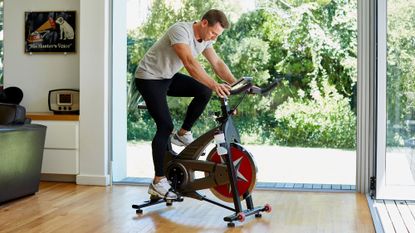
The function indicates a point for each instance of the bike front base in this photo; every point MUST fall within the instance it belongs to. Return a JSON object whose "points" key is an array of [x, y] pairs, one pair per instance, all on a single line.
{"points": [[155, 200], [240, 217]]}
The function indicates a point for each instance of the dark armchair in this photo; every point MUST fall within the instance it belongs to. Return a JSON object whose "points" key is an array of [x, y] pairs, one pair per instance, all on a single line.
{"points": [[21, 153]]}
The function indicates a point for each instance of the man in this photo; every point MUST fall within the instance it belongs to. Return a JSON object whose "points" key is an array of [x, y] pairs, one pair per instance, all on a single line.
{"points": [[157, 77]]}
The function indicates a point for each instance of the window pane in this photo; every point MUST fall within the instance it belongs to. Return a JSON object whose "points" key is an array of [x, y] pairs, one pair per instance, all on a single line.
{"points": [[400, 102], [305, 130]]}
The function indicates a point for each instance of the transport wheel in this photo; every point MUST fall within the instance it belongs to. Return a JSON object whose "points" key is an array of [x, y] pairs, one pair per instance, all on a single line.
{"points": [[267, 208], [241, 216]]}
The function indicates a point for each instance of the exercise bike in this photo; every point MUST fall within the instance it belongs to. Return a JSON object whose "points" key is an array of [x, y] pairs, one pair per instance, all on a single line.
{"points": [[229, 169]]}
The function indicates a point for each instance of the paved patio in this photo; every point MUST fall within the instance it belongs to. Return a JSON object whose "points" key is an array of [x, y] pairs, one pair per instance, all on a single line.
{"points": [[275, 164]]}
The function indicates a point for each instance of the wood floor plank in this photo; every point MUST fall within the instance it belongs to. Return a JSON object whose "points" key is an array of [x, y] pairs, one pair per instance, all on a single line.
{"points": [[65, 207]]}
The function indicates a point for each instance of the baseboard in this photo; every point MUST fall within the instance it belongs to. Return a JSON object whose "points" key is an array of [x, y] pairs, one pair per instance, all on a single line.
{"points": [[58, 178], [93, 180]]}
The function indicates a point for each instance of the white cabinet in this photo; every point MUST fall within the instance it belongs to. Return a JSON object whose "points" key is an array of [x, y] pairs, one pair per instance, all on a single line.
{"points": [[61, 154]]}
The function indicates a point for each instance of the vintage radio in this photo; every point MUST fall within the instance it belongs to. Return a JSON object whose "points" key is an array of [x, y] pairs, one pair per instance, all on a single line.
{"points": [[64, 101]]}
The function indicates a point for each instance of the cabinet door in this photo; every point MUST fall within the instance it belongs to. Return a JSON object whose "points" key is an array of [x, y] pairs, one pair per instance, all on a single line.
{"points": [[61, 134], [60, 162]]}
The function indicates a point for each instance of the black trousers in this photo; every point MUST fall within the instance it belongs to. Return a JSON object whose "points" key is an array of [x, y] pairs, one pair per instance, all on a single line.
{"points": [[155, 92]]}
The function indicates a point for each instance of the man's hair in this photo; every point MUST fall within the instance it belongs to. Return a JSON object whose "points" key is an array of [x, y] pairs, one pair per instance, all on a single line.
{"points": [[216, 16]]}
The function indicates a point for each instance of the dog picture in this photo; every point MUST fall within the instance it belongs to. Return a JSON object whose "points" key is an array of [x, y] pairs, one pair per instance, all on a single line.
{"points": [[66, 30], [50, 31]]}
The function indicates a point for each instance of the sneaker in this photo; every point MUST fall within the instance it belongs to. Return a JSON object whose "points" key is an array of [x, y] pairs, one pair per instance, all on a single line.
{"points": [[184, 140], [162, 189]]}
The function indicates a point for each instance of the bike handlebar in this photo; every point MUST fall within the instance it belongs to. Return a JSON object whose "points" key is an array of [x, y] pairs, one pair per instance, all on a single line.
{"points": [[242, 85], [265, 90], [245, 84]]}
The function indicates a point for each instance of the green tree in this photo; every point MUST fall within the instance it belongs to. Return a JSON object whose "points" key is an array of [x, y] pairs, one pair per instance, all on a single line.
{"points": [[400, 71], [141, 39], [311, 43], [301, 45]]}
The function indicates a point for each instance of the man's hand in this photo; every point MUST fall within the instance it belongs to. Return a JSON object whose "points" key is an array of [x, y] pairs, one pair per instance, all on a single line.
{"points": [[221, 89]]}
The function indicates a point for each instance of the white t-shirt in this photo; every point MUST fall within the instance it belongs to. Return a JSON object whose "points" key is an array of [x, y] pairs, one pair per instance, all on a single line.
{"points": [[161, 61]]}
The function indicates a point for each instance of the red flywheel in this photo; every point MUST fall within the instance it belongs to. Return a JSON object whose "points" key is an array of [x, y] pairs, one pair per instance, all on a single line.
{"points": [[245, 169]]}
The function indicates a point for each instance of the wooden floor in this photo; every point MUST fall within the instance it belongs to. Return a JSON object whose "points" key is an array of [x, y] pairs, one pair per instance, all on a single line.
{"points": [[64, 207], [396, 216]]}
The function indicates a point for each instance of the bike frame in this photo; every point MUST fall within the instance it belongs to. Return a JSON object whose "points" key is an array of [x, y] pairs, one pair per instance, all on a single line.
{"points": [[182, 166]]}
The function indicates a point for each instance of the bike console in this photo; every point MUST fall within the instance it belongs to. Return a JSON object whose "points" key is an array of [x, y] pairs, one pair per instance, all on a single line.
{"points": [[241, 85], [245, 84]]}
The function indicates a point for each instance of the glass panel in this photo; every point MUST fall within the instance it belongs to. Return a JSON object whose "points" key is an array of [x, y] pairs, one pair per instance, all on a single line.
{"points": [[304, 132], [400, 93]]}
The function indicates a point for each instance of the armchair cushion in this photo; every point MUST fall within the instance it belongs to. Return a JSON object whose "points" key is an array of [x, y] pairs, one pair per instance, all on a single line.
{"points": [[21, 153], [11, 114], [11, 95]]}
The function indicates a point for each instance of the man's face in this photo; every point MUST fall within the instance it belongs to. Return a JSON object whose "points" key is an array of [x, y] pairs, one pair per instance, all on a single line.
{"points": [[210, 32]]}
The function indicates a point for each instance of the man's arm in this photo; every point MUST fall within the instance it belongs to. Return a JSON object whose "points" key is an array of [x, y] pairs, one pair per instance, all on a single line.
{"points": [[196, 71], [220, 68]]}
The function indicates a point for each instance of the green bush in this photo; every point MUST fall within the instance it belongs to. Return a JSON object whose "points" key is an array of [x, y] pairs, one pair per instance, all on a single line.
{"points": [[313, 42], [140, 126], [322, 121]]}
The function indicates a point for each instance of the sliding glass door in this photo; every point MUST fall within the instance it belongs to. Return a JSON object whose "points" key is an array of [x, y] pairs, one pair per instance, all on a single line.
{"points": [[300, 133], [396, 100]]}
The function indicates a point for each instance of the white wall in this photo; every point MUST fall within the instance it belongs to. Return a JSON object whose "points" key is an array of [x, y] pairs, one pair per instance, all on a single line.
{"points": [[87, 69], [94, 88], [36, 74]]}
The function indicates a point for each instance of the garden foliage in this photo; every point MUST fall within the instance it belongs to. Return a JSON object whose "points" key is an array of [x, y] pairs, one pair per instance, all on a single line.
{"points": [[311, 44]]}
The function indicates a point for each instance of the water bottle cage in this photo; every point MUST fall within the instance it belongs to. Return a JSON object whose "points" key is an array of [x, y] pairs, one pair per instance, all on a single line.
{"points": [[221, 149], [220, 143]]}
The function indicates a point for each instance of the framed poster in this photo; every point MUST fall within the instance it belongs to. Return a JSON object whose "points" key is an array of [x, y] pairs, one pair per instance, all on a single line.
{"points": [[50, 31]]}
